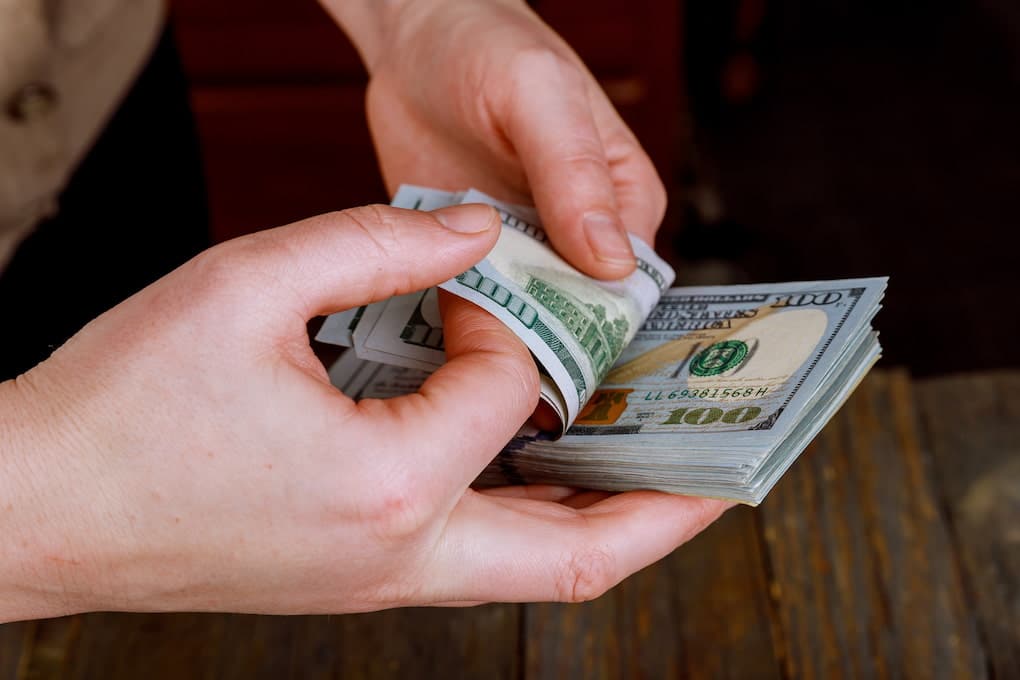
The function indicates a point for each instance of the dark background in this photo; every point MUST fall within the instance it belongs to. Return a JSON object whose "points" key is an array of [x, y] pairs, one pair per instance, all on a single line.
{"points": [[799, 139], [880, 138], [820, 138]]}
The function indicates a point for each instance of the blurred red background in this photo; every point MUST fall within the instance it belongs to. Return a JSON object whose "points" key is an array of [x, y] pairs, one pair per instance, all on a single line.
{"points": [[278, 92]]}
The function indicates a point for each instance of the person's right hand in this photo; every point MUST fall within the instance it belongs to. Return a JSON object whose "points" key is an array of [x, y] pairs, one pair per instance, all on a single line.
{"points": [[484, 94], [185, 451]]}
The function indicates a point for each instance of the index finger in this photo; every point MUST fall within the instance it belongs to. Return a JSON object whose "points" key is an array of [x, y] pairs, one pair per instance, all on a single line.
{"points": [[466, 411], [552, 127]]}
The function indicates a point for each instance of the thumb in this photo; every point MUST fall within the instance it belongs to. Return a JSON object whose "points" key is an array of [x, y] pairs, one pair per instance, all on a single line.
{"points": [[344, 259]]}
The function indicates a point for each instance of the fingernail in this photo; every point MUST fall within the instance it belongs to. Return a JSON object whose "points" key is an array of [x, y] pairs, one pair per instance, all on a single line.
{"points": [[607, 238], [470, 218]]}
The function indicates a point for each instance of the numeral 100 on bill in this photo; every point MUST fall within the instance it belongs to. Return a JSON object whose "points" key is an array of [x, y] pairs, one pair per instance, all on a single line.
{"points": [[709, 415]]}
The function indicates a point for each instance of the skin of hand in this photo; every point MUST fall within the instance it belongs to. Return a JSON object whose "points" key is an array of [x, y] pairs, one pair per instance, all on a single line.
{"points": [[186, 451], [485, 94]]}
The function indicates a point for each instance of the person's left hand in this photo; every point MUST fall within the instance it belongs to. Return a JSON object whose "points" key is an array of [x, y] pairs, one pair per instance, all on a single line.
{"points": [[186, 450], [485, 94]]}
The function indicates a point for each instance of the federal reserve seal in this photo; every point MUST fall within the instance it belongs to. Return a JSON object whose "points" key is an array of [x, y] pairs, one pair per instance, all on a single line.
{"points": [[719, 358]]}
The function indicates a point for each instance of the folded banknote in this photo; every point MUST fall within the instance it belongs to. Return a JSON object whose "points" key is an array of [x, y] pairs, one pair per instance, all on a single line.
{"points": [[709, 391]]}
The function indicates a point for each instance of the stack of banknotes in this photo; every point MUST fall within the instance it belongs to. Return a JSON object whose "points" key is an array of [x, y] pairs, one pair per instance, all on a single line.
{"points": [[708, 391]]}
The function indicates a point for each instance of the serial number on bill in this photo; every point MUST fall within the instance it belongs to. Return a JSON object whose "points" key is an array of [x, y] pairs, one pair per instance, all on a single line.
{"points": [[707, 393]]}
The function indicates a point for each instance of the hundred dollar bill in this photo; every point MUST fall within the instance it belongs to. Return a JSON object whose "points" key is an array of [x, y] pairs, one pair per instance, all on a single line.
{"points": [[717, 394], [574, 325], [720, 392], [338, 329]]}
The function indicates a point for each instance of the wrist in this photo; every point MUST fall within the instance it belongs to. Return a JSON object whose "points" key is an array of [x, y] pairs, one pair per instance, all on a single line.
{"points": [[373, 25], [43, 570], [366, 23]]}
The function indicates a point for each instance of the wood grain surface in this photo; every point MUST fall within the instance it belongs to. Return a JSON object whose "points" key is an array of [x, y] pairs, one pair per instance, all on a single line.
{"points": [[973, 426]]}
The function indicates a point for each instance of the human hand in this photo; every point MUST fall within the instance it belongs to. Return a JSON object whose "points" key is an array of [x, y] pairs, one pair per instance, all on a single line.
{"points": [[485, 94], [186, 451]]}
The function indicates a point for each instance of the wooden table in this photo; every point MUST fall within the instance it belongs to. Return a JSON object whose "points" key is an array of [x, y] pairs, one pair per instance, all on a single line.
{"points": [[890, 549]]}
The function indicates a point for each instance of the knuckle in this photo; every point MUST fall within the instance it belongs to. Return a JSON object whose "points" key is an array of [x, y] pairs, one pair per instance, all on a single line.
{"points": [[398, 511], [217, 273], [524, 372], [523, 398], [372, 230], [587, 156], [536, 60], [586, 575], [510, 361], [374, 242], [239, 273], [645, 182], [235, 260], [540, 68], [658, 198], [526, 375], [213, 267]]}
